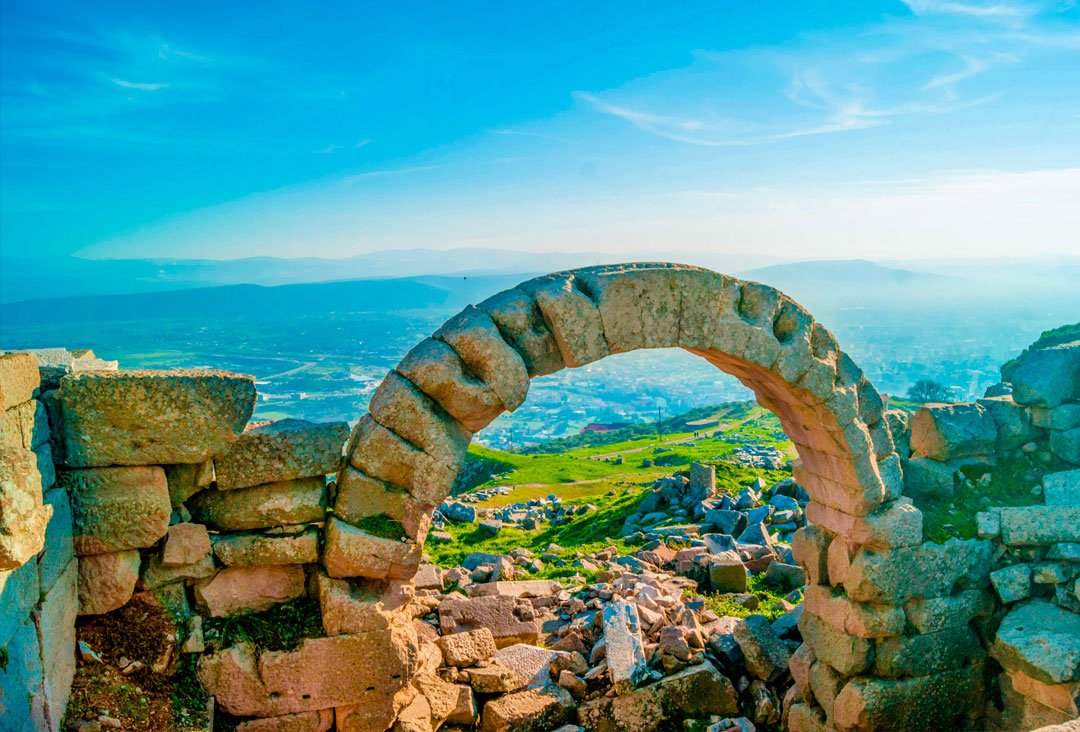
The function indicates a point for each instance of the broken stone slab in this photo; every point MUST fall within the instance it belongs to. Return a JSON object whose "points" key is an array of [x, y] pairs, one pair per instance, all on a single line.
{"points": [[623, 646], [1040, 639], [489, 678], [118, 508], [274, 504], [1012, 583], [359, 606], [249, 549], [238, 590], [765, 652], [697, 691], [467, 648], [531, 663], [23, 513], [185, 543], [947, 431], [144, 417], [514, 588], [106, 581], [1040, 525], [531, 710], [369, 669], [283, 450], [510, 620]]}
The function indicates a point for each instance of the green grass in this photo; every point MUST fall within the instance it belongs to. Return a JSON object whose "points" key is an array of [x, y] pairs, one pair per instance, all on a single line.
{"points": [[280, 628], [1048, 339], [382, 526], [905, 405], [768, 596]]}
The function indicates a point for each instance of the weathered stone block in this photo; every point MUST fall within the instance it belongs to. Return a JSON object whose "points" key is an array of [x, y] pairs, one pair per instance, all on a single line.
{"points": [[1012, 583], [918, 704], [55, 622], [1062, 697], [926, 477], [406, 411], [887, 576], [531, 710], [436, 369], [894, 524], [765, 652], [1061, 417], [1062, 488], [369, 669], [23, 515], [1066, 444], [810, 546], [625, 650], [1040, 639], [847, 654], [378, 452], [186, 480], [509, 619], [1040, 525], [106, 581], [156, 575], [352, 552], [1045, 377], [21, 683], [118, 508], [238, 590], [319, 721], [933, 614], [19, 379], [360, 496], [59, 547], [359, 606], [244, 550], [467, 648], [522, 324], [185, 544], [727, 573], [274, 504], [476, 339], [854, 618], [922, 655], [19, 592], [825, 684], [152, 417], [282, 450], [947, 431]]}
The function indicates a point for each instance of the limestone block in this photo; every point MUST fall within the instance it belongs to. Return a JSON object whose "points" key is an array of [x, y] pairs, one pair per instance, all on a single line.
{"points": [[1040, 525], [640, 306], [185, 480], [59, 547], [476, 339], [118, 508], [726, 572], [314, 721], [1061, 417], [933, 614], [514, 588], [854, 618], [839, 556], [947, 431], [922, 655], [23, 515], [19, 379], [847, 654], [887, 576], [352, 552], [156, 575], [185, 544], [298, 501], [988, 524], [624, 647], [106, 581], [19, 592], [917, 704], [45, 465], [152, 417], [238, 590], [1022, 712], [531, 710], [22, 691], [248, 549], [1062, 488], [360, 606], [895, 524], [429, 577], [926, 477], [369, 669], [531, 663], [1040, 639], [437, 370], [409, 413], [510, 620], [805, 718], [375, 715], [1012, 421], [809, 546], [378, 452], [467, 648], [360, 496], [825, 684], [1012, 583], [55, 620], [521, 323], [281, 450], [1046, 377], [25, 425], [572, 317], [697, 691], [766, 654], [1066, 445], [465, 712], [1062, 697]]}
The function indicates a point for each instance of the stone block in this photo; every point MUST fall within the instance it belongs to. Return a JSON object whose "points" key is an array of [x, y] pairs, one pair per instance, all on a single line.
{"points": [[1012, 583], [895, 524], [887, 576], [1061, 417], [45, 465], [933, 614], [283, 450], [988, 524], [1066, 445], [119, 508], [531, 663], [1062, 488], [360, 496], [156, 575], [1012, 421], [185, 543], [918, 704], [572, 316], [106, 581], [437, 370], [509, 619], [925, 477], [1040, 639], [624, 647], [185, 480], [19, 379], [352, 552], [19, 592], [522, 324], [697, 691], [22, 690], [854, 618], [847, 654], [946, 431], [405, 410], [429, 577], [274, 504], [1046, 377], [351, 607], [765, 653], [531, 710], [514, 588], [379, 453], [726, 572], [825, 684], [810, 546], [152, 417], [922, 655], [1040, 525], [467, 648], [237, 590], [59, 547], [315, 721], [1064, 698], [369, 669], [476, 339], [55, 622], [23, 515], [248, 549]]}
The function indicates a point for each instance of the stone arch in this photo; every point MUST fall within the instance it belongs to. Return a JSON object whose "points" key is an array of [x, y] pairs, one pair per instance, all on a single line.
{"points": [[404, 454]]}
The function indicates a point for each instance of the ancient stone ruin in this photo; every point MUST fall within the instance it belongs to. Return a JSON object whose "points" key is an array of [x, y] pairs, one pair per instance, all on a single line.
{"points": [[118, 487]]}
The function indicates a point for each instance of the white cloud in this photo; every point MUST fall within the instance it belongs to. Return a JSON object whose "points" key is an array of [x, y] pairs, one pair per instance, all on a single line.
{"points": [[142, 86]]}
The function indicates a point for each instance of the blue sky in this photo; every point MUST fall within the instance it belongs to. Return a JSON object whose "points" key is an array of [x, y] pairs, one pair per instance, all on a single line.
{"points": [[800, 130]]}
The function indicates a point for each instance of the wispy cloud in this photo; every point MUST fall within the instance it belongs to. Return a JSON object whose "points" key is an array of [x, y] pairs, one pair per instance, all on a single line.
{"points": [[140, 85], [332, 148], [356, 177], [529, 133]]}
